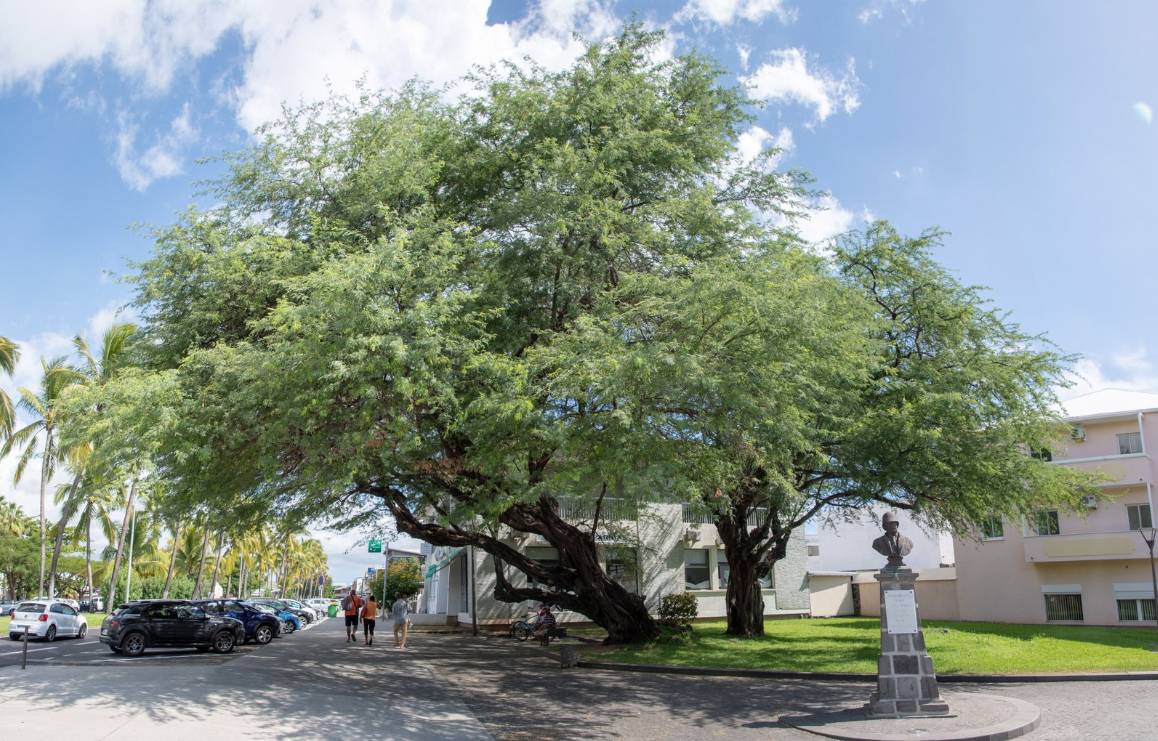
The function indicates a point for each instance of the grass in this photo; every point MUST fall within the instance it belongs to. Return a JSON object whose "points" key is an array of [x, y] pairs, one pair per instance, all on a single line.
{"points": [[852, 645]]}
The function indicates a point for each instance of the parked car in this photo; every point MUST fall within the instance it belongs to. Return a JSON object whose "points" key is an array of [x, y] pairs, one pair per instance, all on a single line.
{"points": [[169, 623], [304, 616], [70, 602], [299, 605], [292, 622], [321, 606], [7, 606], [261, 627], [281, 624], [47, 620]]}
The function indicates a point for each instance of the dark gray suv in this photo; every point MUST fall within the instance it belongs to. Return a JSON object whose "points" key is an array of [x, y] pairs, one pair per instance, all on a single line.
{"points": [[169, 623]]}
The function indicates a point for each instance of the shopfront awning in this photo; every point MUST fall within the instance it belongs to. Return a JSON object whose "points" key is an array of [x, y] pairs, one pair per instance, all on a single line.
{"points": [[440, 563]]}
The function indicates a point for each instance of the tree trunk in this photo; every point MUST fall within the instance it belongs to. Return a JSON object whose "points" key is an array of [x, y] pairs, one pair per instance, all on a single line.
{"points": [[201, 565], [751, 553], [88, 557], [44, 466], [172, 558], [578, 584], [111, 603], [64, 518], [217, 564]]}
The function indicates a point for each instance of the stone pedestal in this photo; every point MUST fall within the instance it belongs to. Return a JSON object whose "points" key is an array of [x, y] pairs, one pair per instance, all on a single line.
{"points": [[906, 683]]}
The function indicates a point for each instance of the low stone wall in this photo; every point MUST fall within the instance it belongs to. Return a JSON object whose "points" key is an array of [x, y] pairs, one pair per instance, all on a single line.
{"points": [[936, 594]]}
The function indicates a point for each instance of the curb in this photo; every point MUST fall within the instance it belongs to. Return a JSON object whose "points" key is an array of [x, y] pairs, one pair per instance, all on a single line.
{"points": [[703, 671], [1026, 718]]}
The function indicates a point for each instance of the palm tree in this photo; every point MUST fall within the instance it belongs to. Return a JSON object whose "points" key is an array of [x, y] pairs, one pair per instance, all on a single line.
{"points": [[12, 519], [95, 502], [43, 407], [9, 354]]}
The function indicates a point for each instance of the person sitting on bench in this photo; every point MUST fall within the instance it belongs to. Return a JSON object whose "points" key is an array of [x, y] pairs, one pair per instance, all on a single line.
{"points": [[544, 625]]}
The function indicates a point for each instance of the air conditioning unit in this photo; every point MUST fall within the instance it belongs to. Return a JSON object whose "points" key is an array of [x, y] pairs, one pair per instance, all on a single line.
{"points": [[692, 535], [1078, 432], [1090, 502]]}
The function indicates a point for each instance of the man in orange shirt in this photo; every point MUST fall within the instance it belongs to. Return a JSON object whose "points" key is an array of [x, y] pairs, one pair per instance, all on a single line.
{"points": [[351, 606]]}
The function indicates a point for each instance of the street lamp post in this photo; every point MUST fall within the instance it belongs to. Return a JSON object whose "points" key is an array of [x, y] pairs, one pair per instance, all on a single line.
{"points": [[1153, 573]]}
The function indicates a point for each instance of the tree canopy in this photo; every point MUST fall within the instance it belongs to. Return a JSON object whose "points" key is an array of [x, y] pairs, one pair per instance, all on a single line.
{"points": [[565, 285]]}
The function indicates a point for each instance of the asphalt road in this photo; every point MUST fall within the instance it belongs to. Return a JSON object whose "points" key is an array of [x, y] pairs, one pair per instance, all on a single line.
{"points": [[89, 650]]}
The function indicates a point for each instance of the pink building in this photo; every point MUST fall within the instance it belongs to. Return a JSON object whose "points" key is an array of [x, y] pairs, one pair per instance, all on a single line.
{"points": [[1057, 567]]}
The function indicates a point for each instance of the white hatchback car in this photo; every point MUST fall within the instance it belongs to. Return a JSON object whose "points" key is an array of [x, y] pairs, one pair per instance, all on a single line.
{"points": [[47, 620]]}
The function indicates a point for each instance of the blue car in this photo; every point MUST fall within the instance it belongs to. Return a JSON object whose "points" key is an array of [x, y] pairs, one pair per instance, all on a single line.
{"points": [[260, 627], [292, 622]]}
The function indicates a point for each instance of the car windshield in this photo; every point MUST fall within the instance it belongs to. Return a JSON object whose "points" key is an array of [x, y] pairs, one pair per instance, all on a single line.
{"points": [[30, 607]]}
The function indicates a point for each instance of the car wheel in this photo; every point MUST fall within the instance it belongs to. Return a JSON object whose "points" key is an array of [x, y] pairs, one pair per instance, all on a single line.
{"points": [[133, 645], [14, 636], [50, 636], [290, 627], [262, 634], [223, 642], [82, 632]]}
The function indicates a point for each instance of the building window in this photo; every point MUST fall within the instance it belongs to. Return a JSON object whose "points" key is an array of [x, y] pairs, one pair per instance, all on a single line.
{"points": [[1136, 609], [1063, 607], [1130, 443], [696, 572], [813, 549], [1045, 523], [618, 572], [992, 528], [1139, 516], [724, 570]]}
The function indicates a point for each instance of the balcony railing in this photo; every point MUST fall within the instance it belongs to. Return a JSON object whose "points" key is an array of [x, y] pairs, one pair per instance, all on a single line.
{"points": [[699, 517]]}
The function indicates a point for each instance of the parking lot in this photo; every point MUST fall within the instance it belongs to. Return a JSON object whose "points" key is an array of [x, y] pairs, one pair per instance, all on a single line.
{"points": [[89, 650]]}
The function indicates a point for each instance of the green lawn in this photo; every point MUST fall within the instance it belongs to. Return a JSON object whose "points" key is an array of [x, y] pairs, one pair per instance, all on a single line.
{"points": [[852, 645]]}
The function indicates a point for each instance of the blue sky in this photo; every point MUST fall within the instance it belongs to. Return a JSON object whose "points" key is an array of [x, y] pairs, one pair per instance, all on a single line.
{"points": [[1021, 128]]}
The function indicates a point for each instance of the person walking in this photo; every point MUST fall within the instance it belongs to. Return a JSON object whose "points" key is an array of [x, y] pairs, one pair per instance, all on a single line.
{"points": [[401, 614], [369, 617], [351, 606]]}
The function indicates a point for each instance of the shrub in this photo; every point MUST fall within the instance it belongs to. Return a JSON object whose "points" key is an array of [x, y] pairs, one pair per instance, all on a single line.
{"points": [[677, 611]]}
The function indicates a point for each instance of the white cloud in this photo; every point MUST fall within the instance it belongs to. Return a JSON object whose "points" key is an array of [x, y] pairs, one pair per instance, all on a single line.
{"points": [[744, 51], [897, 174], [294, 49], [163, 159], [787, 78], [755, 141], [1130, 370], [876, 9], [725, 12], [826, 219]]}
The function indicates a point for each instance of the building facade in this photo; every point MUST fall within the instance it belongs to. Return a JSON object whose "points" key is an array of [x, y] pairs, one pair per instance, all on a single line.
{"points": [[678, 552], [1059, 567]]}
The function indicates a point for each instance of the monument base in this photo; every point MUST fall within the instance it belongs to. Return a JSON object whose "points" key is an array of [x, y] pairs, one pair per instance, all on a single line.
{"points": [[906, 682]]}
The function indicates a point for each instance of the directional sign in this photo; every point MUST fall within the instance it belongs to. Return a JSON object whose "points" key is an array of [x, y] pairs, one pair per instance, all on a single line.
{"points": [[375, 546]]}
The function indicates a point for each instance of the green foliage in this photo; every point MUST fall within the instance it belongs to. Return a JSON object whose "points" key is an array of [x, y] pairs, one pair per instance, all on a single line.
{"points": [[136, 589], [153, 587], [679, 610], [403, 575], [19, 564]]}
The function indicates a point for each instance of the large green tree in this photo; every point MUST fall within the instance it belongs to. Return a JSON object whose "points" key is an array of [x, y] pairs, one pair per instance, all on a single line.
{"points": [[367, 323], [871, 376]]}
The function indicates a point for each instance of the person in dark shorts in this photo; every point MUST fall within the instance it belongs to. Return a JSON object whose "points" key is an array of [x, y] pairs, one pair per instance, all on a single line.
{"points": [[369, 616], [351, 606]]}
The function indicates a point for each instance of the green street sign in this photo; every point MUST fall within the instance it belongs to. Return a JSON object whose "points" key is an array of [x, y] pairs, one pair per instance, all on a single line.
{"points": [[375, 546]]}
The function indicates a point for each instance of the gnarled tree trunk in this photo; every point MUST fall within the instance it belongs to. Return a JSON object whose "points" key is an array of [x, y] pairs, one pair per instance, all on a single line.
{"points": [[578, 583], [751, 553]]}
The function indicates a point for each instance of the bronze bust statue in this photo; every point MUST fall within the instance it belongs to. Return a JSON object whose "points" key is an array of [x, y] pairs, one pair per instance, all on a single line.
{"points": [[892, 543]]}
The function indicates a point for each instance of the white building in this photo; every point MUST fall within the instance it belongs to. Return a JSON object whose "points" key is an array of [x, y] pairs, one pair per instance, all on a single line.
{"points": [[679, 553]]}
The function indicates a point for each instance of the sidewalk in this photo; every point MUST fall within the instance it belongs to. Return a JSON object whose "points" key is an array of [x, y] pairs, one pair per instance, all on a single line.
{"points": [[307, 686]]}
